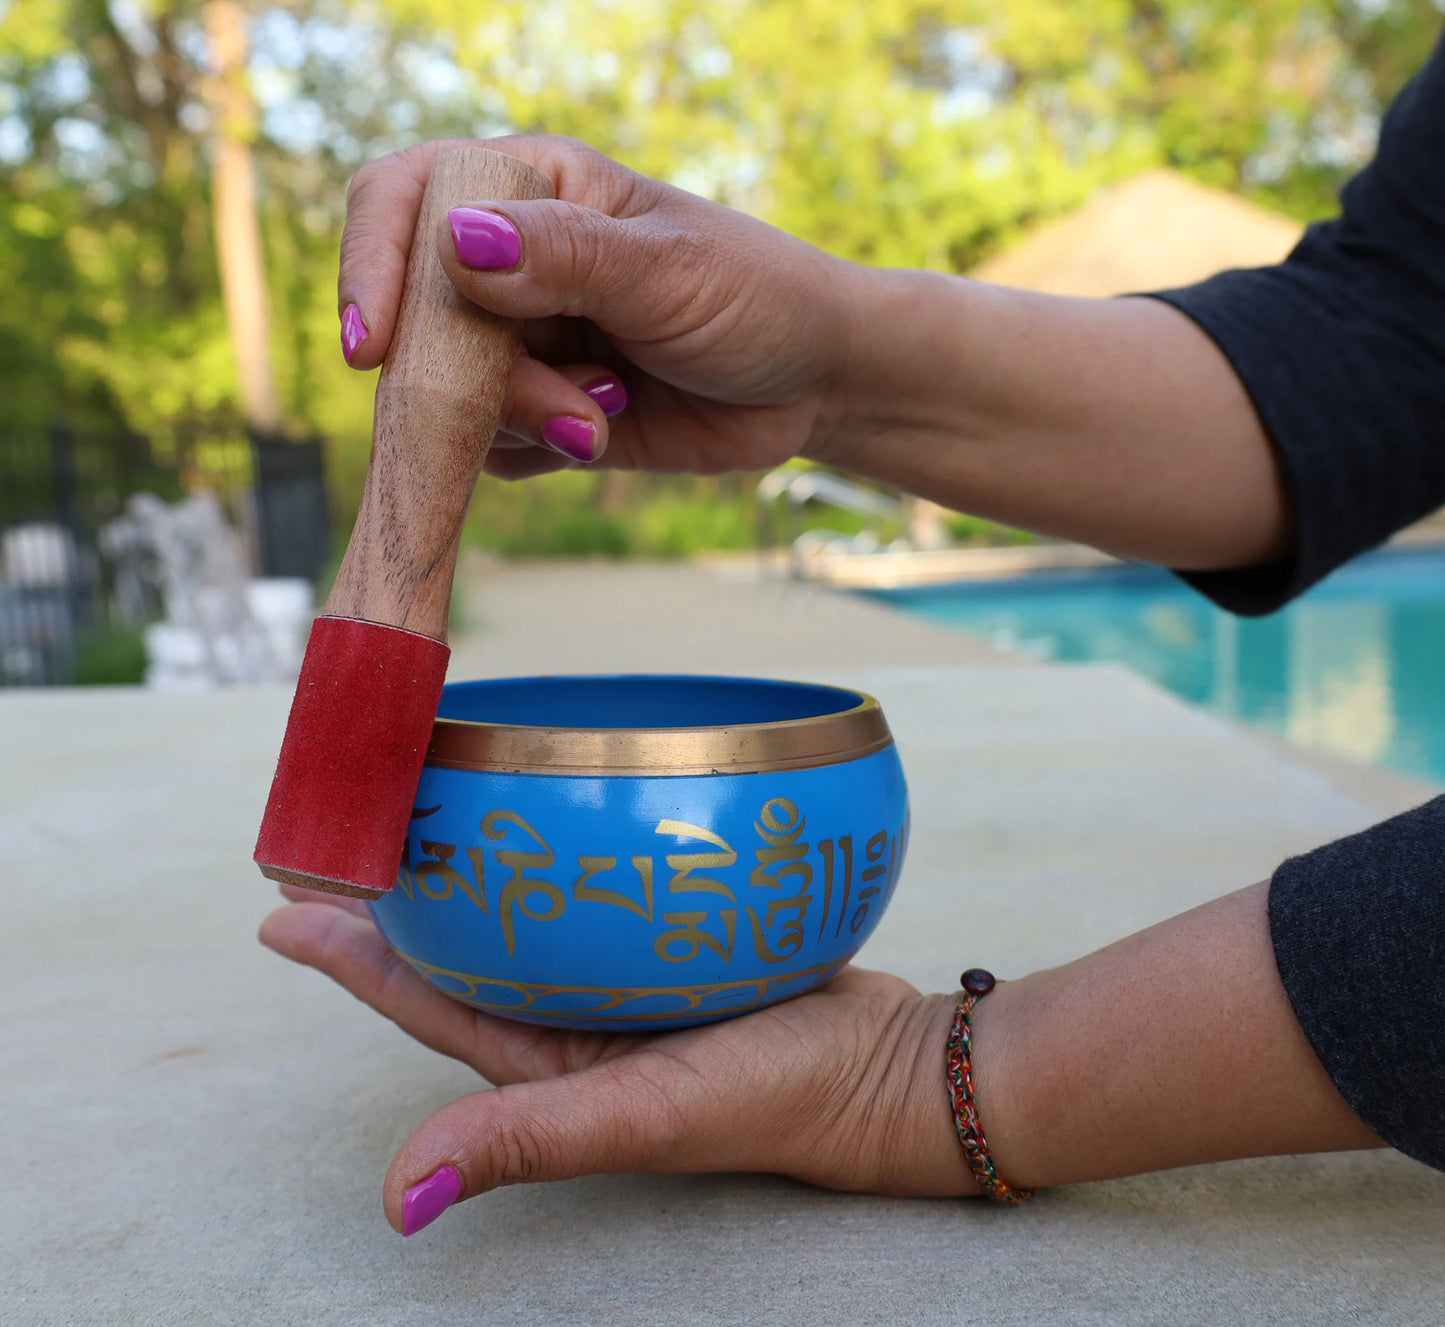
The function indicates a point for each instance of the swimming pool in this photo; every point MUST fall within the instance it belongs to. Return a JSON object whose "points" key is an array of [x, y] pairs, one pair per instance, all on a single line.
{"points": [[1356, 666]]}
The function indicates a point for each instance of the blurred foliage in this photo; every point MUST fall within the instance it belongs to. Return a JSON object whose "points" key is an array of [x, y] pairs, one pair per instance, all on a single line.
{"points": [[576, 513], [976, 530], [919, 132], [109, 656]]}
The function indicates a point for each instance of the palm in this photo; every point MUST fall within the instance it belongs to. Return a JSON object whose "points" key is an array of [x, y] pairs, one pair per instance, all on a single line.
{"points": [[776, 1090]]}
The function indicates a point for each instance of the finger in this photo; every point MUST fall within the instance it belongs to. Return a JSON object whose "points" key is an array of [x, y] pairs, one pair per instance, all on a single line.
{"points": [[580, 173], [565, 409], [562, 340], [382, 206], [351, 951], [384, 201], [645, 1112], [522, 461], [297, 894], [637, 279]]}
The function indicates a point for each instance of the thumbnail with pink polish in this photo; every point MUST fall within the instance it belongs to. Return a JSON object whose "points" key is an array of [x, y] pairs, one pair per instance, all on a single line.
{"points": [[486, 241], [610, 394], [353, 331], [573, 437], [426, 1201]]}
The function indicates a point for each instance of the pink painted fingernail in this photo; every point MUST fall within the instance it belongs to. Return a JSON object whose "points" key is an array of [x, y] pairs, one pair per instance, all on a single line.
{"points": [[610, 394], [486, 241], [426, 1201], [353, 331], [574, 438]]}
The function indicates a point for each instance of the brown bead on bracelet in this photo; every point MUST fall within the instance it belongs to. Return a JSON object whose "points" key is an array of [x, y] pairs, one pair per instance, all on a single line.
{"points": [[958, 1066]]}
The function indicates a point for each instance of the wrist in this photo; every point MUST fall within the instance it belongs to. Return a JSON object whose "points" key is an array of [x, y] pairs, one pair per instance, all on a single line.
{"points": [[852, 404], [1111, 1064], [848, 296], [1000, 1048], [898, 386], [929, 1161]]}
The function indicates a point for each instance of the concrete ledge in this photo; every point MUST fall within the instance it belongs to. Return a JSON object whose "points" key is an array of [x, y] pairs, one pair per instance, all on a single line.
{"points": [[889, 570], [579, 617], [196, 1132]]}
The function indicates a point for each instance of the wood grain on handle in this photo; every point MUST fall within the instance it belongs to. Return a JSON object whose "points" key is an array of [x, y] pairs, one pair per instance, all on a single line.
{"points": [[437, 405]]}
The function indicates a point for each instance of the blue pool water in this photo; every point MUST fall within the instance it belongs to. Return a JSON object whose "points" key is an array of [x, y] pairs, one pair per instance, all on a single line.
{"points": [[1356, 666]]}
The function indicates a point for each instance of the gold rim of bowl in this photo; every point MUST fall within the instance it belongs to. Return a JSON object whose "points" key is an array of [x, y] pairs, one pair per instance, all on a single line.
{"points": [[750, 748]]}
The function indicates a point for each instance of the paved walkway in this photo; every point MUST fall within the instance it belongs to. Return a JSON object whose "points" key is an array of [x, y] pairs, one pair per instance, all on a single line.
{"points": [[561, 617], [195, 1131], [572, 617]]}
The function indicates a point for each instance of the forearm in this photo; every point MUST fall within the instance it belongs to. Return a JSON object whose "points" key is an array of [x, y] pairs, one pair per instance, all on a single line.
{"points": [[1114, 422], [1173, 1047]]}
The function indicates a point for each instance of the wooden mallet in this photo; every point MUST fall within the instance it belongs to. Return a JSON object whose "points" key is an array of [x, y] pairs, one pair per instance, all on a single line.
{"points": [[372, 678]]}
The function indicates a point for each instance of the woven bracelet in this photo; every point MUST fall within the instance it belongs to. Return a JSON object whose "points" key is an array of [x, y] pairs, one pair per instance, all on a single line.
{"points": [[958, 1065]]}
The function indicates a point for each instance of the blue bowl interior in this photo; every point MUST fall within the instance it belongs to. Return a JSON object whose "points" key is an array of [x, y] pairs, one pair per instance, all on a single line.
{"points": [[640, 701]]}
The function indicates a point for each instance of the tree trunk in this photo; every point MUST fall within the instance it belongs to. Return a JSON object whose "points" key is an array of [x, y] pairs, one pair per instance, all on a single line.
{"points": [[233, 210]]}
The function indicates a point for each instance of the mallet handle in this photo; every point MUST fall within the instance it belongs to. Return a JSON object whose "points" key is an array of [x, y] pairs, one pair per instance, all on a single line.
{"points": [[437, 405]]}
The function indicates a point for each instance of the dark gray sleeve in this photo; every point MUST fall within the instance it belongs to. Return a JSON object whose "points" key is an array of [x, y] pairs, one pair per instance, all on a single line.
{"points": [[1359, 936], [1342, 350]]}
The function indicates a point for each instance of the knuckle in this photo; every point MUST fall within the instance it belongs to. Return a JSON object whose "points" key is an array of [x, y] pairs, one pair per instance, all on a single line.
{"points": [[363, 229], [577, 254], [516, 1151], [689, 269], [405, 170], [683, 250], [365, 179], [523, 142], [566, 143], [584, 254], [597, 164], [585, 175], [390, 975], [572, 152]]}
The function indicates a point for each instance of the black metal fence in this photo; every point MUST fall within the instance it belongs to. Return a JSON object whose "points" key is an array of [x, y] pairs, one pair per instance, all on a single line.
{"points": [[61, 488], [293, 536]]}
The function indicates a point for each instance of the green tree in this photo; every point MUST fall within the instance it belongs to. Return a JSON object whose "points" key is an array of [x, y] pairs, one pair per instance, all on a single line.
{"points": [[920, 132], [109, 117]]}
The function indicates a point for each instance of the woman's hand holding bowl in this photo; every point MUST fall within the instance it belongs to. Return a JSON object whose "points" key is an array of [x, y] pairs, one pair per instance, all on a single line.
{"points": [[842, 1087]]}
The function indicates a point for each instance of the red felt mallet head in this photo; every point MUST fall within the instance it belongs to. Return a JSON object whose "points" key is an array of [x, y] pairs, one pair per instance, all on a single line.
{"points": [[372, 677]]}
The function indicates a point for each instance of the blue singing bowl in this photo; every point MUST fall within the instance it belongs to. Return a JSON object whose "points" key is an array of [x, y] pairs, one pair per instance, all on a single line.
{"points": [[631, 853]]}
